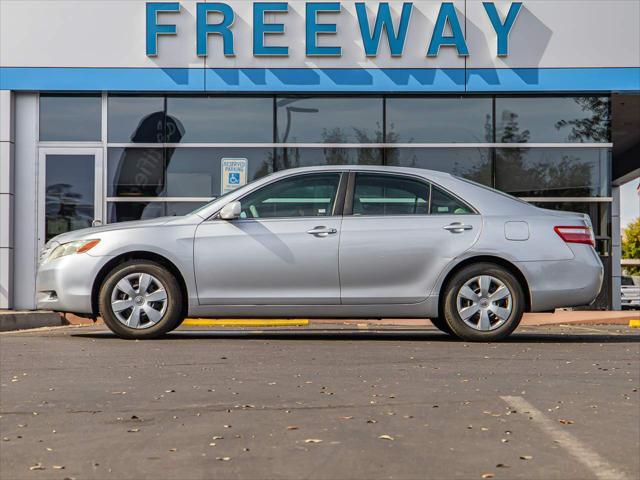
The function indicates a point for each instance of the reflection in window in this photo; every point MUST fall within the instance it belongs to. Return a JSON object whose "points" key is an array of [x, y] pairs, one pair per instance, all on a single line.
{"points": [[177, 172], [135, 119], [311, 195], [135, 172], [128, 211], [390, 195], [329, 119], [69, 190], [309, 157], [553, 119], [439, 119], [555, 172], [196, 172], [471, 163], [221, 119], [74, 118]]}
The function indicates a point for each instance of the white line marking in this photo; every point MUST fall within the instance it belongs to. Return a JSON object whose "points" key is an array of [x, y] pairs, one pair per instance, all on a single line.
{"points": [[585, 455]]}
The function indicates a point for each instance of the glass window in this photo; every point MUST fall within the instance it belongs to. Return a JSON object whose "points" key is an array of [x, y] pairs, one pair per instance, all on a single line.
{"points": [[311, 195], [75, 118], [376, 194], [553, 119], [442, 119], [471, 163], [220, 119], [329, 119], [128, 211], [138, 120], [555, 172], [135, 172], [178, 172], [310, 157], [196, 172], [443, 203], [69, 191]]}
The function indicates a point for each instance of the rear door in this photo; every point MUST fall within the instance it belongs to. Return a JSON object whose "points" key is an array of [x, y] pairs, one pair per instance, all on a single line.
{"points": [[398, 234]]}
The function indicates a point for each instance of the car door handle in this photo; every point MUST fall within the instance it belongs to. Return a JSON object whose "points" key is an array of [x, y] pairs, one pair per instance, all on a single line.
{"points": [[457, 227], [322, 231]]}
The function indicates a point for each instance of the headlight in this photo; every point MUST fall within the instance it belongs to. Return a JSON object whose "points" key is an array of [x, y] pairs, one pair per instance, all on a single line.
{"points": [[79, 246]]}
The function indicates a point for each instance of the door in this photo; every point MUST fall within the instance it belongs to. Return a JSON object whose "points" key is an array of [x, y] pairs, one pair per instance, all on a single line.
{"points": [[401, 234], [70, 190], [283, 250]]}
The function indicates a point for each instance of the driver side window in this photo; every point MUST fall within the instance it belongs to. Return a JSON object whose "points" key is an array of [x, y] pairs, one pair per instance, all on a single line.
{"points": [[310, 195]]}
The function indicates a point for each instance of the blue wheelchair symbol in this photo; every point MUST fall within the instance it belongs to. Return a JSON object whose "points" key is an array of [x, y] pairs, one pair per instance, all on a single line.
{"points": [[234, 178]]}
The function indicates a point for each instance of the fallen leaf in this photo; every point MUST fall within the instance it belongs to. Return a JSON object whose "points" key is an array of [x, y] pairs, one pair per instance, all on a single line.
{"points": [[313, 440], [488, 475], [292, 427], [217, 437], [223, 459], [133, 430], [346, 418], [503, 465], [526, 457], [385, 437], [173, 449], [37, 466], [58, 467], [566, 422]]}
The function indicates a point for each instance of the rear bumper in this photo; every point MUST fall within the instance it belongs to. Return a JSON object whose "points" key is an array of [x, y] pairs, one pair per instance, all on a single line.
{"points": [[564, 283], [65, 284]]}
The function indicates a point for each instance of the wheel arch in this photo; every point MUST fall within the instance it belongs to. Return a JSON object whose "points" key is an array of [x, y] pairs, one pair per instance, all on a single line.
{"points": [[138, 255], [512, 268]]}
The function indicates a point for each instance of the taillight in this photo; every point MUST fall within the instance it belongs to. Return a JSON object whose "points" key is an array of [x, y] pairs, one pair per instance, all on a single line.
{"points": [[574, 234]]}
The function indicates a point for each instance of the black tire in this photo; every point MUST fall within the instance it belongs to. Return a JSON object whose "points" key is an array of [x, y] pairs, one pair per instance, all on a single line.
{"points": [[171, 313], [499, 329], [441, 325]]}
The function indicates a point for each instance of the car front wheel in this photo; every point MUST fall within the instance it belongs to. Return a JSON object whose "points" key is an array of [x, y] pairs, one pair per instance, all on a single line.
{"points": [[483, 302], [140, 299]]}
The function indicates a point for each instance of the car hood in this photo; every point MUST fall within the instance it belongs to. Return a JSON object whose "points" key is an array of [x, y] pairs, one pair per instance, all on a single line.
{"points": [[96, 231]]}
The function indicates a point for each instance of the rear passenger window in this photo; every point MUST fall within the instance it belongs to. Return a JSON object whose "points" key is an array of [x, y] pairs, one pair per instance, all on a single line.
{"points": [[444, 204], [389, 195]]}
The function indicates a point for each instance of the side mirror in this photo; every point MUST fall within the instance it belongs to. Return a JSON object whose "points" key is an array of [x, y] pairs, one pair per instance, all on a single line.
{"points": [[231, 211]]}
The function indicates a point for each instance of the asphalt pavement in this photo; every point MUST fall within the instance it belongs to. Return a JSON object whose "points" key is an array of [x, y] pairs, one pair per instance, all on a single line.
{"points": [[320, 403]]}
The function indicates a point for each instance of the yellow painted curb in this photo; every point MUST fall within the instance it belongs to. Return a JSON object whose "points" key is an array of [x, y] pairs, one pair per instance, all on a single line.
{"points": [[245, 322], [634, 323]]}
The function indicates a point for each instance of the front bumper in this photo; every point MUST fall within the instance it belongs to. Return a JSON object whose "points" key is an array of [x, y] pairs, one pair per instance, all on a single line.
{"points": [[564, 283], [65, 284]]}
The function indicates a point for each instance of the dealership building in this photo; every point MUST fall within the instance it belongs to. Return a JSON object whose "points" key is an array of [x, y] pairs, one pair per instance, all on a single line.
{"points": [[114, 111]]}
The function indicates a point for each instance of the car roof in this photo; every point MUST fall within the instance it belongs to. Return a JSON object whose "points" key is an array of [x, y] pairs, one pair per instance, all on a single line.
{"points": [[422, 172]]}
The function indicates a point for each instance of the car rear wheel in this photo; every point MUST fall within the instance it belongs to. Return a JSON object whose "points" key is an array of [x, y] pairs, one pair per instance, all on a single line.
{"points": [[140, 299], [483, 302]]}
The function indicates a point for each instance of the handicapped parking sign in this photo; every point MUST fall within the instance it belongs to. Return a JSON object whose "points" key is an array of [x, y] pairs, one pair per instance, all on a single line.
{"points": [[234, 173]]}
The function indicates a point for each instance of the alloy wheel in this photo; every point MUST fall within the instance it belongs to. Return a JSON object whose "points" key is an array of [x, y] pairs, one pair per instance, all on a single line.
{"points": [[139, 300], [484, 303]]}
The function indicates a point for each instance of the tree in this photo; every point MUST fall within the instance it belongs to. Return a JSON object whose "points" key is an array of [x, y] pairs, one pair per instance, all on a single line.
{"points": [[631, 245]]}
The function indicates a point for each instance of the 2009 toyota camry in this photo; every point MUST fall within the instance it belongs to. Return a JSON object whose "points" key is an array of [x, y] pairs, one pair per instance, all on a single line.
{"points": [[339, 241]]}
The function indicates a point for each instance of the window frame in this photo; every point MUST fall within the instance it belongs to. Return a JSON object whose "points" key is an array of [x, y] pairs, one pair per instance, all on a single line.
{"points": [[338, 204], [351, 184]]}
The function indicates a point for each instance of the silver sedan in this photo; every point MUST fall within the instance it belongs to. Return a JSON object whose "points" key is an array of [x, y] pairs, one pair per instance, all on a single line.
{"points": [[339, 241]]}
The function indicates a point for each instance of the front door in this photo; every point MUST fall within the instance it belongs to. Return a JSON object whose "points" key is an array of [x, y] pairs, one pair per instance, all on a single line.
{"points": [[283, 250], [70, 190], [400, 235]]}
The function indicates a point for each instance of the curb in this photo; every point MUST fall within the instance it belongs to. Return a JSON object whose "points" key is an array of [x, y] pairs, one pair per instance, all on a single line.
{"points": [[13, 320]]}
